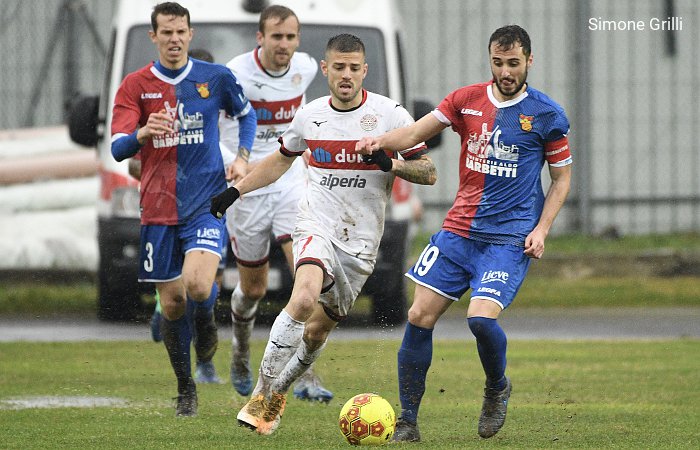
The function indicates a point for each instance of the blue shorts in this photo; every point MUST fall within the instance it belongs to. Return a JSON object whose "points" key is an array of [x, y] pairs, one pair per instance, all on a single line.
{"points": [[163, 247], [451, 264]]}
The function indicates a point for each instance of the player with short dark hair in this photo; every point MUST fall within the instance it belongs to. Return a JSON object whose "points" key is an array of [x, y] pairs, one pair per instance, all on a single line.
{"points": [[497, 224], [168, 112], [340, 220]]}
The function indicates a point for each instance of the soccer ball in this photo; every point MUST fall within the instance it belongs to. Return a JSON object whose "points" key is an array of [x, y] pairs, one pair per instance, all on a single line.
{"points": [[367, 419]]}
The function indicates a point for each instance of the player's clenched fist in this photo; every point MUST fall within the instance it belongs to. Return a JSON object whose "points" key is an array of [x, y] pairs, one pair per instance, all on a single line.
{"points": [[221, 202], [367, 145]]}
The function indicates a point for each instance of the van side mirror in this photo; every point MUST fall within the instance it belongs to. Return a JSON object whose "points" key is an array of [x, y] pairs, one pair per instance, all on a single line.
{"points": [[421, 108], [82, 120]]}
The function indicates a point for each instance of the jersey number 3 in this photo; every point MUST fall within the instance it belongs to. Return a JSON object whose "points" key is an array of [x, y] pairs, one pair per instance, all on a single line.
{"points": [[426, 260], [148, 262]]}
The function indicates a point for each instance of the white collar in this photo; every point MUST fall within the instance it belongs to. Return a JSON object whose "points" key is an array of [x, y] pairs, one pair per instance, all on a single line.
{"points": [[507, 103], [169, 80]]}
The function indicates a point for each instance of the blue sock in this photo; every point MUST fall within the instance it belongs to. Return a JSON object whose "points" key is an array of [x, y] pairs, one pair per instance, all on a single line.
{"points": [[202, 308], [177, 336], [491, 343], [415, 356], [207, 306], [200, 317]]}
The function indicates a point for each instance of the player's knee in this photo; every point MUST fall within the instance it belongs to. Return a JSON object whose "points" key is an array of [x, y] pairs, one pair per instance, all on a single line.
{"points": [[173, 307], [422, 317], [254, 292], [302, 304], [198, 291]]}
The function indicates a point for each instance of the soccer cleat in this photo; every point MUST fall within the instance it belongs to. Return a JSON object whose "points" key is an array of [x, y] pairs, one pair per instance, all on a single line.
{"points": [[241, 376], [155, 326], [493, 410], [205, 373], [309, 388], [272, 415], [251, 414], [406, 432], [187, 401]]}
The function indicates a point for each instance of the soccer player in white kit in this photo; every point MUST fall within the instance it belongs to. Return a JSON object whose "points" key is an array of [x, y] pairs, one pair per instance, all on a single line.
{"points": [[275, 77], [340, 220]]}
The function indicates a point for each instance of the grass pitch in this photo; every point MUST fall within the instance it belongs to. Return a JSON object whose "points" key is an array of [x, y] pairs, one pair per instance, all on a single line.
{"points": [[591, 394]]}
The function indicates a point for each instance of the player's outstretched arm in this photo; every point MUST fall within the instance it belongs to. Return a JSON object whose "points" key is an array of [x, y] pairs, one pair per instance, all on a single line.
{"points": [[402, 138], [558, 190], [266, 172]]}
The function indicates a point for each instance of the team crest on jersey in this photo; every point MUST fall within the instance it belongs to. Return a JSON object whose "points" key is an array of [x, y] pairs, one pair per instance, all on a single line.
{"points": [[203, 89], [296, 79], [368, 122], [526, 122]]}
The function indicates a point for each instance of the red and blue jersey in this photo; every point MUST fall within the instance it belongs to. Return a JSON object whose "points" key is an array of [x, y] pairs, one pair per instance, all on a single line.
{"points": [[181, 171], [504, 147]]}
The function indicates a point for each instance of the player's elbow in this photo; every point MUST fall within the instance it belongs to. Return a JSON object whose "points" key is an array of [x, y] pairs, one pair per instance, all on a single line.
{"points": [[431, 179]]}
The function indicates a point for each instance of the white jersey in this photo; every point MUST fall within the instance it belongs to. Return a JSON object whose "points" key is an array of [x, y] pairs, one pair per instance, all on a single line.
{"points": [[346, 198], [276, 98]]}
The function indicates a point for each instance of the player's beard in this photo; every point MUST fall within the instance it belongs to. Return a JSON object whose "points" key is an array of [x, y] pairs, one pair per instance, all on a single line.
{"points": [[517, 88], [281, 60], [346, 98]]}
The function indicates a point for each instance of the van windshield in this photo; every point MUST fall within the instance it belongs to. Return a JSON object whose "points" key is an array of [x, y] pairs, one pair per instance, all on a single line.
{"points": [[226, 40]]}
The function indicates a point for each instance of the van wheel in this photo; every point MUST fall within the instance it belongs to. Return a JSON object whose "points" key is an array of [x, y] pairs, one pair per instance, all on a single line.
{"points": [[118, 299]]}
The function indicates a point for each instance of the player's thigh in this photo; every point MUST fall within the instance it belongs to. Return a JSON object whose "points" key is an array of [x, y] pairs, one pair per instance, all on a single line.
{"points": [[253, 280], [199, 272], [203, 242], [427, 307]]}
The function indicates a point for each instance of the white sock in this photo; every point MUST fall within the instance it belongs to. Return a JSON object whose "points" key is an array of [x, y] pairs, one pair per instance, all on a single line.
{"points": [[297, 365], [243, 320], [241, 306], [285, 337]]}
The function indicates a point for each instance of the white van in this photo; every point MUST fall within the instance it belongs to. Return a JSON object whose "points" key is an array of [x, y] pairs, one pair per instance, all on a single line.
{"points": [[227, 28]]}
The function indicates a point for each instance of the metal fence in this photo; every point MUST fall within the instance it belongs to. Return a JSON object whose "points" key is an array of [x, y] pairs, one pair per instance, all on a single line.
{"points": [[631, 95]]}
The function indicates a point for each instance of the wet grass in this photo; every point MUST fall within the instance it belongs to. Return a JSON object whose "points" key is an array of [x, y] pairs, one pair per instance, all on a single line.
{"points": [[588, 394]]}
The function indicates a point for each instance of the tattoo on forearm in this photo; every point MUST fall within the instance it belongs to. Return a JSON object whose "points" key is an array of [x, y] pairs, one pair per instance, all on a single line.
{"points": [[419, 171], [244, 153]]}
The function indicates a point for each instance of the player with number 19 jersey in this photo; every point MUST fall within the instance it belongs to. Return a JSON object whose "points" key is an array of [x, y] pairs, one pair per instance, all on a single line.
{"points": [[346, 198], [504, 147]]}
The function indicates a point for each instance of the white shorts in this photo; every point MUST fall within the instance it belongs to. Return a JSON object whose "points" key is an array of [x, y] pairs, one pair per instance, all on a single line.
{"points": [[343, 274], [251, 220]]}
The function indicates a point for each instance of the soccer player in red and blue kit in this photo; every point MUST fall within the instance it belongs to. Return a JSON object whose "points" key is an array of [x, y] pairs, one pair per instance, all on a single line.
{"points": [[169, 112], [498, 222]]}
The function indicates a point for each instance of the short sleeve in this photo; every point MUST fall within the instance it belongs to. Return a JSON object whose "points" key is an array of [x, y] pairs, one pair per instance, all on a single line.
{"points": [[556, 147]]}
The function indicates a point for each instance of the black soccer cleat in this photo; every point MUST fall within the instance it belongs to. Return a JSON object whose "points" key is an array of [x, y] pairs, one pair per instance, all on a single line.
{"points": [[406, 432], [493, 410], [187, 401]]}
